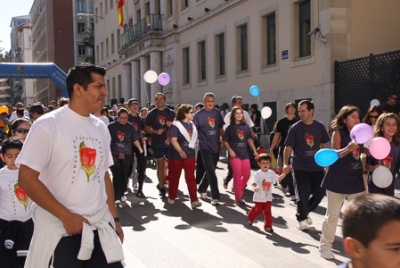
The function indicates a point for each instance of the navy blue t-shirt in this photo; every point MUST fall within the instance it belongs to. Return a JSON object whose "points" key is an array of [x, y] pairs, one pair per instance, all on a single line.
{"points": [[122, 137], [208, 124], [137, 122], [157, 119], [175, 133], [237, 137], [345, 176], [306, 140]]}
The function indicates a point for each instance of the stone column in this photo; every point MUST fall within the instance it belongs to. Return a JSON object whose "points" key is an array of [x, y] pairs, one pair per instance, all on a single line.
{"points": [[126, 82], [136, 80], [155, 65], [144, 87]]}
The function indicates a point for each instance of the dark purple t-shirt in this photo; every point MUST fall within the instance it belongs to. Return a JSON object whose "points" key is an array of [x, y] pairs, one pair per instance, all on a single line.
{"points": [[137, 122], [175, 133], [237, 136], [157, 119], [345, 176], [306, 140], [122, 137], [208, 124]]}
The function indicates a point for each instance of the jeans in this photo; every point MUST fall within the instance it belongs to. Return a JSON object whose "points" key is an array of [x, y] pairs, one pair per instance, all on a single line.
{"points": [[174, 173], [209, 161], [309, 191], [120, 175]]}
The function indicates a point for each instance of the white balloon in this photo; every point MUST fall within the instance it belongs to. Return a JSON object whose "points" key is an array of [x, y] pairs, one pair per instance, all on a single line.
{"points": [[266, 112], [382, 177], [375, 102], [150, 76]]}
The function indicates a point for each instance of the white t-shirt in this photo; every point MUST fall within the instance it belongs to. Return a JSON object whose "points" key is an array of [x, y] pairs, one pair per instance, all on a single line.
{"points": [[14, 203], [264, 181], [104, 119], [246, 115], [72, 153], [14, 116]]}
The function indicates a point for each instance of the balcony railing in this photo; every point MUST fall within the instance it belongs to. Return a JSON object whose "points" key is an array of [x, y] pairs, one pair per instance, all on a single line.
{"points": [[152, 22]]}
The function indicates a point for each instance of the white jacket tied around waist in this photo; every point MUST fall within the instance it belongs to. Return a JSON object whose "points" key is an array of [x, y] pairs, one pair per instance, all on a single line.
{"points": [[49, 230]]}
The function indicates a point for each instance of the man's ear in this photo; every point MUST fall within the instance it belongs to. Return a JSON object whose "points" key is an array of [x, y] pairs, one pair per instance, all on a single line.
{"points": [[2, 157], [78, 89], [353, 247]]}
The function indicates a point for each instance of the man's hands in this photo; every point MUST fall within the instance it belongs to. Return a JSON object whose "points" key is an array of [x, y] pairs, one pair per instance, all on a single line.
{"points": [[119, 231], [73, 223]]}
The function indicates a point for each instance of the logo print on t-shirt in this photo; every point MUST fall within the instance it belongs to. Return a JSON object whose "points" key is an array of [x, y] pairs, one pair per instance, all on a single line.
{"points": [[21, 195], [121, 135], [266, 186], [161, 120], [356, 152], [211, 122], [190, 132], [88, 158], [387, 162], [240, 134], [135, 125], [309, 140]]}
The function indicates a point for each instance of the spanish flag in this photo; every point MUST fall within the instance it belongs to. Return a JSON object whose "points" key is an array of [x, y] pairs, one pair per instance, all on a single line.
{"points": [[121, 3]]}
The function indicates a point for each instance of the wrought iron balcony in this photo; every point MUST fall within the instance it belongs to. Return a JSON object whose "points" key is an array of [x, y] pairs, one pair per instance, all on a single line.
{"points": [[152, 22]]}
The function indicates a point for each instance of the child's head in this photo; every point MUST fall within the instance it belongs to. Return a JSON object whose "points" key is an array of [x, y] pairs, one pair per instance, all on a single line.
{"points": [[10, 149], [388, 125], [371, 231], [264, 161]]}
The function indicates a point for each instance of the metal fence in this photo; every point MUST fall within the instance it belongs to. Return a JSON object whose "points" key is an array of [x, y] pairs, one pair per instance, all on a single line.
{"points": [[359, 81], [152, 22]]}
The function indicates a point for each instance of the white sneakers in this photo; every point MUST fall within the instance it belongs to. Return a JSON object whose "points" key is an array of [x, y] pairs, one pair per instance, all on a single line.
{"points": [[203, 195], [215, 202], [309, 220], [303, 225], [123, 198], [196, 204], [327, 254], [171, 201]]}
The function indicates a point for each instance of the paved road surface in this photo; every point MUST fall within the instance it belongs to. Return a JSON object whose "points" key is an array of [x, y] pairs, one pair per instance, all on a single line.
{"points": [[158, 234]]}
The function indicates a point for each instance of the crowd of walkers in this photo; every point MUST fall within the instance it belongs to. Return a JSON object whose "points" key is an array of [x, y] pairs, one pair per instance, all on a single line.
{"points": [[63, 164]]}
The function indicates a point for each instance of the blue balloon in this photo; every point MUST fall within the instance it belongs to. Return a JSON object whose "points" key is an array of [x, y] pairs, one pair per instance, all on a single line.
{"points": [[326, 157], [254, 91]]}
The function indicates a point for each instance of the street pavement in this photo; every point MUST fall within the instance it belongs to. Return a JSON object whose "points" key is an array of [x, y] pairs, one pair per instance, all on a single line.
{"points": [[158, 234]]}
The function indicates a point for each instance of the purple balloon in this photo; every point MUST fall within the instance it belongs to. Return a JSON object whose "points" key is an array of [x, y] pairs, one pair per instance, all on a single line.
{"points": [[163, 79], [361, 133]]}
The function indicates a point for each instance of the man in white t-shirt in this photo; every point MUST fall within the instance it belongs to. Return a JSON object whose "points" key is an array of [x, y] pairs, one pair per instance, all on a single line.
{"points": [[14, 116], [67, 177]]}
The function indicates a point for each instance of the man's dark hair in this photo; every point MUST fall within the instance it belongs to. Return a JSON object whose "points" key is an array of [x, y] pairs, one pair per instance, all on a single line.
{"points": [[263, 156], [20, 112], [36, 108], [82, 74], [11, 143], [121, 111], [254, 106], [309, 103], [367, 214]]}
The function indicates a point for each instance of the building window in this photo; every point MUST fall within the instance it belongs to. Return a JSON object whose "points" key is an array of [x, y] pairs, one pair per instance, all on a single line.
{"points": [[111, 4], [107, 47], [119, 80], [81, 27], [184, 4], [80, 5], [101, 9], [304, 29], [81, 50], [243, 48], [220, 57], [271, 39], [186, 66], [113, 88], [118, 39], [96, 12], [112, 44], [91, 6], [102, 50], [97, 54], [170, 8], [201, 58], [106, 6]]}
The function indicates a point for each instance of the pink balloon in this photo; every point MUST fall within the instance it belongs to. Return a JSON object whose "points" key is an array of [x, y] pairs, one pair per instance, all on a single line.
{"points": [[379, 147], [163, 79], [361, 133]]}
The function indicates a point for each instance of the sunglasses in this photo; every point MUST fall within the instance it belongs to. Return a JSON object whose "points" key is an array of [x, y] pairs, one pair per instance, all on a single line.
{"points": [[22, 130], [375, 117]]}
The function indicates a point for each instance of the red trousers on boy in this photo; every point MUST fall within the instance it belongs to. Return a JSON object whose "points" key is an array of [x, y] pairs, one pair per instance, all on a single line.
{"points": [[257, 209]]}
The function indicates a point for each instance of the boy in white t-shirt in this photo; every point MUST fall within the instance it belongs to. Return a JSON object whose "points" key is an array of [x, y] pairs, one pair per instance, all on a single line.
{"points": [[262, 186], [16, 225]]}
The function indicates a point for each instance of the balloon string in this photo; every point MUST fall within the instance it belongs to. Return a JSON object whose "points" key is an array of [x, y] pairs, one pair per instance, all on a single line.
{"points": [[147, 95]]}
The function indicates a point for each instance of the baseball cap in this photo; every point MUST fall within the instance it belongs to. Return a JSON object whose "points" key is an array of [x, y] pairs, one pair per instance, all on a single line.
{"points": [[132, 101], [3, 109]]}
